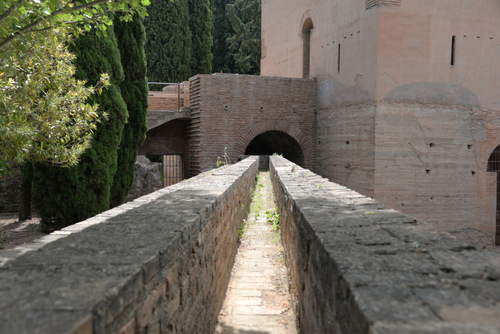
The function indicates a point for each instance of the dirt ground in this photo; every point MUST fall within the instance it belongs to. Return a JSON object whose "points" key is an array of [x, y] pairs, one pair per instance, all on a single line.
{"points": [[14, 233]]}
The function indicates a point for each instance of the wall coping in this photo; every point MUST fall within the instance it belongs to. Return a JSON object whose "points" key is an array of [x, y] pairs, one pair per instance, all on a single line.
{"points": [[386, 272], [88, 275]]}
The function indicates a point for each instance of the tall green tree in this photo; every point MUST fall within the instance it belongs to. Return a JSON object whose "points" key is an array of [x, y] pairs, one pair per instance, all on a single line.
{"points": [[64, 196], [131, 37], [223, 60], [43, 114], [245, 43], [25, 19], [200, 23], [168, 41]]}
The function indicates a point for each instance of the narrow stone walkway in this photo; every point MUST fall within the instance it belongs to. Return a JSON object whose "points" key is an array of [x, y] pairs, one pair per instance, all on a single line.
{"points": [[257, 300]]}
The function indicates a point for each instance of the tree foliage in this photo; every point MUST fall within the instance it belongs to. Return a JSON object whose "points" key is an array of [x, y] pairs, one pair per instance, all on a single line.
{"points": [[245, 43], [64, 196], [168, 43], [43, 114], [44, 111], [131, 38], [200, 23], [20, 19], [223, 60]]}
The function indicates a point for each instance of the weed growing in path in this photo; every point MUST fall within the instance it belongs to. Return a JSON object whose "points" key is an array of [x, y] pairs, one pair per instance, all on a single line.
{"points": [[273, 219]]}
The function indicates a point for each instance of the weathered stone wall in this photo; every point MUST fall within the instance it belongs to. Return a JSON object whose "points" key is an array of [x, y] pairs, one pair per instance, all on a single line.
{"points": [[159, 264], [346, 146], [429, 164], [359, 267]]}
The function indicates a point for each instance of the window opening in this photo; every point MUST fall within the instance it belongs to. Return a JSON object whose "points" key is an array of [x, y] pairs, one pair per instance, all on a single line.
{"points": [[453, 50], [306, 37], [338, 59], [494, 166]]}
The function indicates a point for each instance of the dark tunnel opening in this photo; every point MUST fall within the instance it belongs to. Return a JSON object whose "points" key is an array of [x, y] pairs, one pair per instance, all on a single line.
{"points": [[278, 142]]}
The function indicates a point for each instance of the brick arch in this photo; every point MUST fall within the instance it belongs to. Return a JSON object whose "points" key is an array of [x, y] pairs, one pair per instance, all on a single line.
{"points": [[307, 26], [308, 15], [292, 130], [486, 150]]}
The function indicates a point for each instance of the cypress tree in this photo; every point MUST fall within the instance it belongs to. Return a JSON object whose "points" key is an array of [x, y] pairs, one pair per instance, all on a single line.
{"points": [[131, 37], [200, 23], [245, 43], [64, 196], [168, 41], [223, 60]]}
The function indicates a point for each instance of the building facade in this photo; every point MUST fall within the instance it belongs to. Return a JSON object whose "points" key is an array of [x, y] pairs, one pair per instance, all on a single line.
{"points": [[407, 95]]}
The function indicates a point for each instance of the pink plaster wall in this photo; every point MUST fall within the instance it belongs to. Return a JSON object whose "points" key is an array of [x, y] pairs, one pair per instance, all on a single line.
{"points": [[396, 94]]}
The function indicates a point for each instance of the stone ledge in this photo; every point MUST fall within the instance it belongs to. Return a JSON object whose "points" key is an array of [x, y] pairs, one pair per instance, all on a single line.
{"points": [[148, 264], [359, 267]]}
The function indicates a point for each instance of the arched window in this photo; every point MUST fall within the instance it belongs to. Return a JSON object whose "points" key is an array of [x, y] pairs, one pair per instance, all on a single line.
{"points": [[494, 166], [306, 39]]}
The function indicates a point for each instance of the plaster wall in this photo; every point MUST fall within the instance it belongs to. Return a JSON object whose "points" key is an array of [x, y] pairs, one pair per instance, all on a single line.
{"points": [[347, 23], [428, 164], [437, 118], [346, 146], [420, 129], [415, 46]]}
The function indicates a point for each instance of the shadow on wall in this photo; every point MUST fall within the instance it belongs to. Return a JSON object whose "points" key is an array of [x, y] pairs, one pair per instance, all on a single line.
{"points": [[331, 93], [438, 93], [271, 142]]}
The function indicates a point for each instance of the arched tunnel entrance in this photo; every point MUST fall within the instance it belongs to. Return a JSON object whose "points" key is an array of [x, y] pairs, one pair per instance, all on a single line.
{"points": [[279, 142]]}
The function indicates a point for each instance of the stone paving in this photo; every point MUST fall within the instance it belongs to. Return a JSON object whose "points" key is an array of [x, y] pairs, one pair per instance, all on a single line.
{"points": [[257, 300]]}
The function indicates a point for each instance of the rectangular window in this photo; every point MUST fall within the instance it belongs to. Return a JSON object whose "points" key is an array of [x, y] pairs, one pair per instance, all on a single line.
{"points": [[452, 51], [338, 60]]}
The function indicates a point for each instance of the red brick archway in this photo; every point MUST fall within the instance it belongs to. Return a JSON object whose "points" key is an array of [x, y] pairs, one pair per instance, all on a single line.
{"points": [[228, 111], [281, 126]]}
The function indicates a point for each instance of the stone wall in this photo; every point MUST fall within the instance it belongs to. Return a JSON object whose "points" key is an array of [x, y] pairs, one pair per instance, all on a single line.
{"points": [[428, 164], [159, 264], [346, 146], [359, 267]]}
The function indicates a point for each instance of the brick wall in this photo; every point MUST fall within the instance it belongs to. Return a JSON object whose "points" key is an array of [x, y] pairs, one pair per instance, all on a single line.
{"points": [[168, 138], [359, 267], [229, 111], [159, 264], [429, 164], [165, 101]]}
